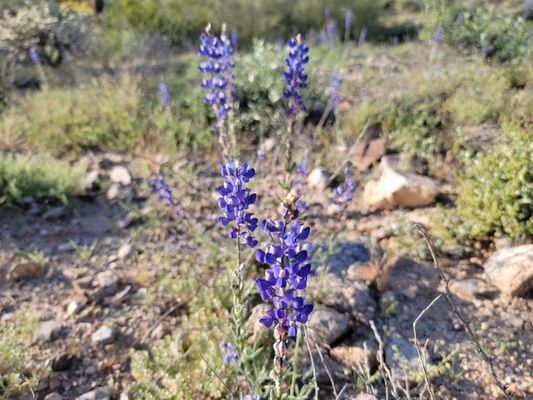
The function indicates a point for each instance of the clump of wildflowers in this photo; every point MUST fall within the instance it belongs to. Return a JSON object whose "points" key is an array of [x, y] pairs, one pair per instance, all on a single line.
{"points": [[333, 91], [343, 193], [165, 195], [347, 24], [437, 35], [235, 199], [217, 67], [164, 96], [254, 396]]}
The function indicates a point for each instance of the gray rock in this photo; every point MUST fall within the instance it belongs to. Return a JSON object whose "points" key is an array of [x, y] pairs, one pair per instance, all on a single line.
{"points": [[90, 182], [65, 247], [113, 191], [322, 376], [53, 396], [125, 250], [104, 335], [120, 174], [344, 294], [511, 269], [47, 331], [326, 325], [102, 393], [401, 356], [467, 289], [55, 213]]}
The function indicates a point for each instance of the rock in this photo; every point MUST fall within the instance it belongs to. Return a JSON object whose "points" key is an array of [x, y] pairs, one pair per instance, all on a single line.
{"points": [[353, 353], [364, 272], [120, 174], [401, 356], [113, 191], [125, 250], [65, 247], [396, 189], [345, 254], [24, 270], [364, 154], [53, 396], [318, 179], [71, 308], [366, 396], [102, 393], [511, 269], [253, 325], [405, 276], [322, 377], [90, 182], [467, 289], [267, 145], [47, 331], [456, 251], [63, 363], [104, 335], [326, 325], [55, 213], [344, 294]]}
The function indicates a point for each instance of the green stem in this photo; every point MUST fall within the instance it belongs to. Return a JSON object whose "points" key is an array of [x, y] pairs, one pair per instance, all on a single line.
{"points": [[295, 363]]}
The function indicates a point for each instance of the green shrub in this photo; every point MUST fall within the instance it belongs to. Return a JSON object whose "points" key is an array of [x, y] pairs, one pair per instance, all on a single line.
{"points": [[14, 337], [495, 191], [504, 37], [39, 176], [119, 114], [481, 97]]}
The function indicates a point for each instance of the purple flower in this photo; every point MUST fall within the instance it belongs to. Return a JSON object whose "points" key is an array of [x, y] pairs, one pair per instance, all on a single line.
{"points": [[362, 37], [217, 68], [301, 171], [333, 91], [289, 259], [254, 396], [460, 22], [295, 76], [164, 96], [527, 8], [229, 352], [34, 55], [234, 39], [161, 187], [327, 12], [235, 199], [343, 193], [331, 29], [437, 36], [485, 47], [348, 22]]}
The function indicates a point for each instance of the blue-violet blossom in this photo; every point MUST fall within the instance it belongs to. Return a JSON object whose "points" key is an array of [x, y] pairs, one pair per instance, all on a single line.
{"points": [[34, 55], [343, 193], [235, 199], [161, 187], [295, 76], [163, 95], [229, 352], [289, 258]]}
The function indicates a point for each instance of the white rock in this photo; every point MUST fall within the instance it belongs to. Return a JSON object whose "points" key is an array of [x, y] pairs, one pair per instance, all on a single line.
{"points": [[318, 178], [47, 331], [120, 174], [125, 250], [326, 325], [511, 269], [91, 180], [396, 189], [113, 191], [104, 335], [354, 353]]}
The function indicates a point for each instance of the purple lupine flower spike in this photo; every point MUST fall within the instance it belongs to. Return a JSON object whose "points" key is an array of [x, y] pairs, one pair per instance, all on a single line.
{"points": [[229, 352], [331, 29], [235, 199], [527, 8], [343, 194], [437, 36], [348, 23], [217, 66], [295, 76], [362, 37], [301, 172], [333, 91], [254, 396], [234, 39], [161, 187], [34, 56], [164, 96]]}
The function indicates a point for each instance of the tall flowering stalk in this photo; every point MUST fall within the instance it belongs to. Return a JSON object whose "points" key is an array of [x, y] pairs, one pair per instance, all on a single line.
{"points": [[217, 68], [164, 193], [296, 80], [288, 256], [36, 60], [342, 194], [334, 99], [164, 96]]}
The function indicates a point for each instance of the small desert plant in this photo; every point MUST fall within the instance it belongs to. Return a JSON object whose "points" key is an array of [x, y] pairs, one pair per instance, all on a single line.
{"points": [[39, 176]]}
